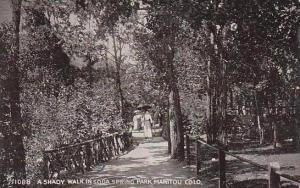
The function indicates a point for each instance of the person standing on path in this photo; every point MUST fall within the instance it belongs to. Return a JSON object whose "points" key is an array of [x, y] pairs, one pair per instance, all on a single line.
{"points": [[137, 120], [147, 123]]}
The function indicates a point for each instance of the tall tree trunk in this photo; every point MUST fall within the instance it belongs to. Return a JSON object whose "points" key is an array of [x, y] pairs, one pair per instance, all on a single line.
{"points": [[168, 133], [106, 80], [118, 61], [217, 87], [258, 119], [223, 90], [15, 143], [223, 113], [298, 92], [172, 125], [175, 115], [209, 130], [90, 94]]}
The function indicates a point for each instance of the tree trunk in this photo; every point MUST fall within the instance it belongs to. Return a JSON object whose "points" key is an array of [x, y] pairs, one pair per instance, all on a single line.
{"points": [[216, 71], [297, 92], [167, 129], [106, 68], [275, 135], [258, 119], [118, 61], [209, 130], [223, 106], [15, 138], [90, 81], [172, 126], [175, 115]]}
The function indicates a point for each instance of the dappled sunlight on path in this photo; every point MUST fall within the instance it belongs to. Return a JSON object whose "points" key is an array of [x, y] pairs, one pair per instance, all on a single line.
{"points": [[149, 161]]}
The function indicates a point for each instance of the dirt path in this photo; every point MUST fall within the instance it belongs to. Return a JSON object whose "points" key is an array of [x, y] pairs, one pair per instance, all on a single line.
{"points": [[148, 165]]}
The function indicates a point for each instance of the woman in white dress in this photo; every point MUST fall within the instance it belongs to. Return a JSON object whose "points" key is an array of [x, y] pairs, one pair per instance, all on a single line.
{"points": [[147, 123], [137, 120]]}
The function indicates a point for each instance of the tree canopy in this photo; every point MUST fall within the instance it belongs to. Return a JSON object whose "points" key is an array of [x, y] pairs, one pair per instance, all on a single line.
{"points": [[72, 68]]}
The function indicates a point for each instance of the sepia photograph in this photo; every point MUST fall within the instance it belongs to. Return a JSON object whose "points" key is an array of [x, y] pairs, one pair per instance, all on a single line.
{"points": [[149, 93]]}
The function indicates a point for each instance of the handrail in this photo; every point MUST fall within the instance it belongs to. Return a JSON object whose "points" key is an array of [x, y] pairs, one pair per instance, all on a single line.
{"points": [[82, 156], [289, 177], [229, 153], [264, 167], [79, 144]]}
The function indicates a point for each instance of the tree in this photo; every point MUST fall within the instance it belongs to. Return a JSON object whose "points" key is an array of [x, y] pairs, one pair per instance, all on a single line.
{"points": [[14, 145], [6, 36], [160, 48], [238, 48], [298, 81]]}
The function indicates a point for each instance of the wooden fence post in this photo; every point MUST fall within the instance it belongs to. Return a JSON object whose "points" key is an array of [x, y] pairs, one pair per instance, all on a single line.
{"points": [[188, 154], [81, 159], [109, 146], [127, 141], [117, 143], [45, 168], [198, 157], [222, 169], [274, 178], [89, 157]]}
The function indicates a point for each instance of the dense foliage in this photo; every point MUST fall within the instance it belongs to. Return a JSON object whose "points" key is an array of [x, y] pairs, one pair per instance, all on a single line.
{"points": [[225, 69]]}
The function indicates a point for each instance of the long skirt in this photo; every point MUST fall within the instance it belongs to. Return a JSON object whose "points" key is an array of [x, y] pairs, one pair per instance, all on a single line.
{"points": [[147, 129]]}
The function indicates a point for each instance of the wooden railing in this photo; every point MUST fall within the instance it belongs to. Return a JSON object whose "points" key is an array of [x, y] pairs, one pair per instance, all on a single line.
{"points": [[273, 169], [274, 110], [80, 157]]}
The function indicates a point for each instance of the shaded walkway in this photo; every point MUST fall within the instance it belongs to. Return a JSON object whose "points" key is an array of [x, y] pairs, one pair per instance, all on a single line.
{"points": [[148, 165]]}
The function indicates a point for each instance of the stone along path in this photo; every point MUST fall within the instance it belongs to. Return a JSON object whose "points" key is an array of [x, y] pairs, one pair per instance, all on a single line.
{"points": [[148, 165]]}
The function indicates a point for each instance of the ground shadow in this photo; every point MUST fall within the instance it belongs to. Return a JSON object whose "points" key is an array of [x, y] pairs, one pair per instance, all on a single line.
{"points": [[149, 161]]}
